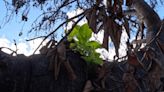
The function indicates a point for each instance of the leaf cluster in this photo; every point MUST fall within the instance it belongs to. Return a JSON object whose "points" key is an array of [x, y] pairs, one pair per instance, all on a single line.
{"points": [[80, 42]]}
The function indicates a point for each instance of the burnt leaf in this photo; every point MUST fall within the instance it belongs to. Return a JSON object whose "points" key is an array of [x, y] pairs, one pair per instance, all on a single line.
{"points": [[126, 25], [98, 2], [109, 5], [116, 36], [114, 30], [92, 19], [115, 6], [128, 2], [121, 2], [107, 29]]}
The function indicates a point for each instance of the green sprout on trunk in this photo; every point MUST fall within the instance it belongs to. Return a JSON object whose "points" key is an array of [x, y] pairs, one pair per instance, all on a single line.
{"points": [[80, 41]]}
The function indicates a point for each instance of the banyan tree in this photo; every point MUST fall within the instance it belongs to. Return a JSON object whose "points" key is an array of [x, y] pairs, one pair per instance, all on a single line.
{"points": [[72, 65]]}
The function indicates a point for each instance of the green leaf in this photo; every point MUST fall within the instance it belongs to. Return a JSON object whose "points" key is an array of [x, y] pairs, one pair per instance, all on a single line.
{"points": [[88, 59], [85, 33], [94, 44], [92, 60], [98, 61], [72, 45], [83, 45], [73, 33]]}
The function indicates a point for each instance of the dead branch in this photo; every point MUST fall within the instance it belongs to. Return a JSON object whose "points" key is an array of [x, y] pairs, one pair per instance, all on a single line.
{"points": [[35, 38], [13, 51]]}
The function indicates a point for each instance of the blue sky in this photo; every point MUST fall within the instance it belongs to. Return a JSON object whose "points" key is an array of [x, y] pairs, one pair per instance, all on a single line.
{"points": [[11, 30]]}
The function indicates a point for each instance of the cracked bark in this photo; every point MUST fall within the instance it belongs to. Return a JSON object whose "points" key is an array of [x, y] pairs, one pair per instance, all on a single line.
{"points": [[153, 23], [149, 17]]}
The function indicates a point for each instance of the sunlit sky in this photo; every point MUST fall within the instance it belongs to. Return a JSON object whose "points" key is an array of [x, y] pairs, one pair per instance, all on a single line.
{"points": [[11, 30]]}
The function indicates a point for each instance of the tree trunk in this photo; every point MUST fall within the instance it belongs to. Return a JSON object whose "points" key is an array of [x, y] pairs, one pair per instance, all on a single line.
{"points": [[154, 25], [31, 74], [148, 16]]}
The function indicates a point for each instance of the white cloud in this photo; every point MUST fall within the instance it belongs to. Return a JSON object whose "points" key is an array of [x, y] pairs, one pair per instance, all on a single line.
{"points": [[34, 44], [26, 48], [106, 55], [72, 14], [4, 42], [98, 37], [123, 47]]}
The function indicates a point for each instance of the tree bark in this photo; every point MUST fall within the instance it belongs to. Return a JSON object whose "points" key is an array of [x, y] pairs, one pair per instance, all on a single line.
{"points": [[154, 25], [31, 74], [148, 16]]}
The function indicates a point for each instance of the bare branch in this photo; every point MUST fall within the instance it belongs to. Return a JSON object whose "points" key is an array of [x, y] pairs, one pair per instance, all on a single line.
{"points": [[35, 38], [61, 26], [13, 51]]}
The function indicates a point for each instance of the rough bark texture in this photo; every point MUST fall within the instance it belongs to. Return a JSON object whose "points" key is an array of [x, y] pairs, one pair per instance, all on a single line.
{"points": [[31, 74], [154, 25]]}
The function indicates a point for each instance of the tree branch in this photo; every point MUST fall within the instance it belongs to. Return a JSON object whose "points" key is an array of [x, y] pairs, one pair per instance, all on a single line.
{"points": [[149, 17], [61, 26]]}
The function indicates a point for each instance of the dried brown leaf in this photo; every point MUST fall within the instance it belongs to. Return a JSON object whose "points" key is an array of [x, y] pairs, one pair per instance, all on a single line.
{"points": [[92, 17], [116, 36], [114, 30], [115, 5], [109, 4], [121, 2], [107, 29], [126, 25], [128, 2]]}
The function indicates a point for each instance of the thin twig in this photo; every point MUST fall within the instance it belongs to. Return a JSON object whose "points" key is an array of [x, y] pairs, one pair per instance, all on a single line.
{"points": [[160, 30], [8, 49], [59, 27], [35, 38], [55, 13]]}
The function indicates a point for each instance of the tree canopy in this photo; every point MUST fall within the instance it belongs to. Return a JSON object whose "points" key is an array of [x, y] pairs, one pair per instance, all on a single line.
{"points": [[112, 16]]}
